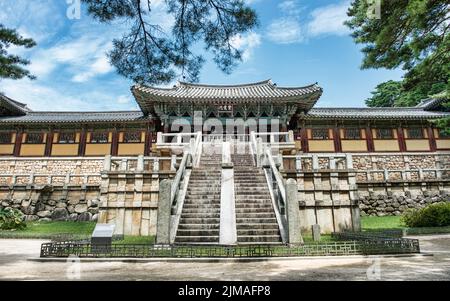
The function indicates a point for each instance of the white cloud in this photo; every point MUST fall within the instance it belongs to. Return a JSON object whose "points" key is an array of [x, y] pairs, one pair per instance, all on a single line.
{"points": [[326, 20], [285, 31], [289, 7], [246, 43], [329, 20], [38, 19], [123, 99]]}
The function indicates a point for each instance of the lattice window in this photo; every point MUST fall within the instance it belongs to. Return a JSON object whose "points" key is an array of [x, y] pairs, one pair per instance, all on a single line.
{"points": [[132, 137], [415, 133], [5, 138], [384, 134], [320, 134], [66, 138], [35, 138], [99, 137], [353, 133]]}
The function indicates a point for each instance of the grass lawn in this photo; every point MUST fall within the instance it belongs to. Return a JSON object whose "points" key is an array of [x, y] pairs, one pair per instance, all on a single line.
{"points": [[381, 222], [49, 229]]}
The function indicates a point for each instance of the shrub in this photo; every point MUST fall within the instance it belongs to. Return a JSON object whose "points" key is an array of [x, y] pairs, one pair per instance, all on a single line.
{"points": [[11, 219], [434, 215]]}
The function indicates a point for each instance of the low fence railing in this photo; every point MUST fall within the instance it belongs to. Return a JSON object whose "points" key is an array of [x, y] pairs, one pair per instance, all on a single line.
{"points": [[340, 248], [380, 243]]}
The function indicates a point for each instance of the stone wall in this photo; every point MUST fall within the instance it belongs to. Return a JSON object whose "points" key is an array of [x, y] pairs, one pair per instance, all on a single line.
{"points": [[46, 203], [381, 205], [399, 161], [50, 170]]}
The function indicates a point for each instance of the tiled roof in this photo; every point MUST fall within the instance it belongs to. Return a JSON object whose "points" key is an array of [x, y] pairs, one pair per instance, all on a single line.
{"points": [[261, 90], [374, 113], [12, 106], [264, 91], [430, 103], [74, 117]]}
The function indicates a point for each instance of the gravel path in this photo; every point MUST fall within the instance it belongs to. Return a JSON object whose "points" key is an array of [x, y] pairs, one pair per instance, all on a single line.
{"points": [[15, 266]]}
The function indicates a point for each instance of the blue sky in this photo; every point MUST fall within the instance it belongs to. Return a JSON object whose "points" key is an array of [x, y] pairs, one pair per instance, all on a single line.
{"points": [[298, 42]]}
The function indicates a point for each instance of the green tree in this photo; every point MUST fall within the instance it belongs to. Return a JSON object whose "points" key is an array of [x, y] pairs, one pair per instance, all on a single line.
{"points": [[147, 54], [11, 66], [411, 34]]}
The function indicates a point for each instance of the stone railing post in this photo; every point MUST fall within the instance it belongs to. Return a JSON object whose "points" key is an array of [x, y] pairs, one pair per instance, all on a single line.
{"points": [[349, 161], [159, 138], [107, 163], [315, 162], [290, 136], [293, 213], [298, 163], [140, 163], [259, 151], [164, 210], [173, 163]]}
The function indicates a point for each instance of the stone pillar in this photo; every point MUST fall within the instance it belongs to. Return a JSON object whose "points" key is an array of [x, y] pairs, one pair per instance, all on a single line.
{"points": [[228, 233], [164, 208], [292, 213]]}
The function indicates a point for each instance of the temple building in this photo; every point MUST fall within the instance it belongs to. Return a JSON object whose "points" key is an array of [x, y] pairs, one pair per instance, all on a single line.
{"points": [[332, 163], [128, 133]]}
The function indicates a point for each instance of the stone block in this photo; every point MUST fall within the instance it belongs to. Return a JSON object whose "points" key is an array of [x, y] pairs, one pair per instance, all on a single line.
{"points": [[81, 208], [44, 214], [315, 232]]}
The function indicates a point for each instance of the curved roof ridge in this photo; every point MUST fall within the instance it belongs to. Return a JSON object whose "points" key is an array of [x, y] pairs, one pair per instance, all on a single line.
{"points": [[259, 83], [368, 108], [83, 112]]}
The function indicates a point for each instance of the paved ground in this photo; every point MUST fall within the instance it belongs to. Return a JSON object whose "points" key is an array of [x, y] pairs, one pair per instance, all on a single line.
{"points": [[15, 266]]}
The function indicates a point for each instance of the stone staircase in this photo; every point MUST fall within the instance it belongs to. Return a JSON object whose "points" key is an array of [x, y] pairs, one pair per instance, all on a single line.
{"points": [[200, 217], [256, 222]]}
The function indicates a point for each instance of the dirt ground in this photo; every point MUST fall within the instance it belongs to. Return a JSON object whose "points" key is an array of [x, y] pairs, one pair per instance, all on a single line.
{"points": [[14, 265]]}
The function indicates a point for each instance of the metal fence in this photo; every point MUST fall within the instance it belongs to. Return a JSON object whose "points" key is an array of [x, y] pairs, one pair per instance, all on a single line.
{"points": [[379, 243], [363, 247]]}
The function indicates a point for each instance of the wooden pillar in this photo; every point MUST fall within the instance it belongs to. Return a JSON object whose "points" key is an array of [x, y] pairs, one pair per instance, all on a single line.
{"points": [[337, 140], [304, 139], [148, 142], [115, 143], [401, 139], [369, 138], [49, 144], [18, 143], [82, 145], [431, 139]]}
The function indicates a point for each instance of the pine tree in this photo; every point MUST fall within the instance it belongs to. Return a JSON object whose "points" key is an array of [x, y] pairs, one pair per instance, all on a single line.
{"points": [[11, 66]]}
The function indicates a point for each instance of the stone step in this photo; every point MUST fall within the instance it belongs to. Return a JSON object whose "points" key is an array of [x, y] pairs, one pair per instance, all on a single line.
{"points": [[251, 232], [258, 238], [201, 215], [254, 210], [261, 215], [202, 227], [253, 201], [251, 226], [197, 220], [198, 232], [241, 205], [200, 210], [193, 205], [196, 239], [247, 220]]}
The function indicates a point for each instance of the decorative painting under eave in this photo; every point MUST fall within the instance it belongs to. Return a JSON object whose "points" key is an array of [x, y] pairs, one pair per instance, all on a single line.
{"points": [[265, 92]]}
